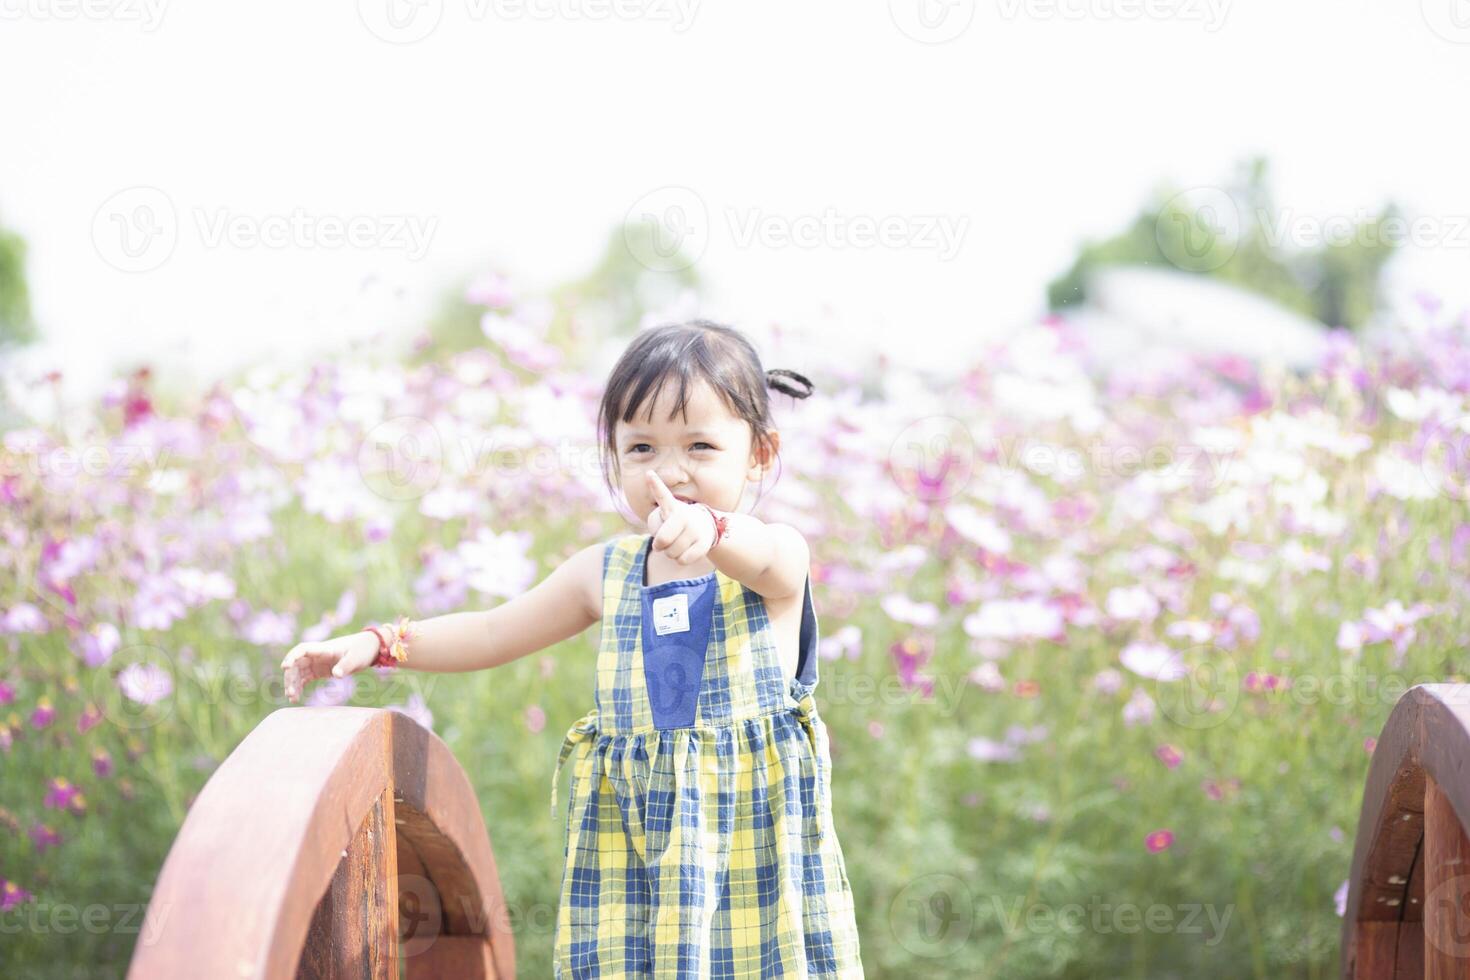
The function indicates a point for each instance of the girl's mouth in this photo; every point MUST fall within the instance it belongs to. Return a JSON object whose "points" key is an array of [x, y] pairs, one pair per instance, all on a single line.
{"points": [[683, 499]]}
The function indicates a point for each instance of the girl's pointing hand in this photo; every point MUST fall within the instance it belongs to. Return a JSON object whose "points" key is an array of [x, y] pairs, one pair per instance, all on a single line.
{"points": [[685, 532]]}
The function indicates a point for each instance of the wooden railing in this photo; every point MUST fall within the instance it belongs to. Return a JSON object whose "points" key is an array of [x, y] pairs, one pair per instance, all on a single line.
{"points": [[1408, 901], [299, 856]]}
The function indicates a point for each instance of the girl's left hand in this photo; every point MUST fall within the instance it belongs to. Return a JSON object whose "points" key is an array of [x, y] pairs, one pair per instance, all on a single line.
{"points": [[685, 532]]}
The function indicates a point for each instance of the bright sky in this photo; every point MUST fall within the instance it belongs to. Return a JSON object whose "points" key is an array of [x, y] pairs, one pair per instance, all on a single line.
{"points": [[945, 182]]}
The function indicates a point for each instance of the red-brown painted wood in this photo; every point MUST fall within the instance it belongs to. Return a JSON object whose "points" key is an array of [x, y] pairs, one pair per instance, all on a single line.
{"points": [[289, 858], [1403, 915], [1446, 887]]}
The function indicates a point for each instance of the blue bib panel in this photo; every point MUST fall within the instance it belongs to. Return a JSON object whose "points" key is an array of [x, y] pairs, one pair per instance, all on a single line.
{"points": [[677, 619]]}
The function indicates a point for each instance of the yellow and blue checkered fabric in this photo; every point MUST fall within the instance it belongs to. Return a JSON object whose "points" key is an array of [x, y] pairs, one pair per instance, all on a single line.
{"points": [[703, 850]]}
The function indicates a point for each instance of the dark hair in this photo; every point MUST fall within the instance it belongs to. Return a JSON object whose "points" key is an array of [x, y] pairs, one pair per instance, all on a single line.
{"points": [[688, 352]]}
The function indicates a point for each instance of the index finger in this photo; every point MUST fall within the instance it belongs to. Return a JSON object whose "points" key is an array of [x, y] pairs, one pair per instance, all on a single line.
{"points": [[665, 496]]}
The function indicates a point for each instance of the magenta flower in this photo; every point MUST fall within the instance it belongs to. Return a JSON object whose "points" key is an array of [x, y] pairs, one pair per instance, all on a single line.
{"points": [[1169, 756], [7, 694], [102, 763], [535, 718], [1159, 840], [12, 895], [43, 837], [89, 719], [63, 795], [43, 714]]}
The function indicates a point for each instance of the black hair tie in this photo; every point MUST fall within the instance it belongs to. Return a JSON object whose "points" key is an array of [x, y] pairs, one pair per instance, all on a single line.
{"points": [[776, 378]]}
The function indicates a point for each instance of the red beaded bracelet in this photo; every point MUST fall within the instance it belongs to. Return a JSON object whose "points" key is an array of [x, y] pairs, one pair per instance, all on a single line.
{"points": [[384, 658], [721, 523], [394, 652]]}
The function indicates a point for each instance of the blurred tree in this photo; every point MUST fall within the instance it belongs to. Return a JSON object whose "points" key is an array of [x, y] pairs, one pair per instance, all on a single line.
{"points": [[637, 272], [1235, 233], [15, 303]]}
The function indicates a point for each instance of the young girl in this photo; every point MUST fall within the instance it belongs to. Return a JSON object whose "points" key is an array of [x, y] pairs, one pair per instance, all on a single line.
{"points": [[699, 834]]}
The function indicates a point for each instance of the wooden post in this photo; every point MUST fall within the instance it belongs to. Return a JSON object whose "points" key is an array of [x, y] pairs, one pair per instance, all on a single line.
{"points": [[1447, 889], [288, 861], [354, 930]]}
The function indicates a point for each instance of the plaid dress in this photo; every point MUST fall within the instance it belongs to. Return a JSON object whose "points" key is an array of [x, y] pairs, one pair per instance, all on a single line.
{"points": [[699, 836]]}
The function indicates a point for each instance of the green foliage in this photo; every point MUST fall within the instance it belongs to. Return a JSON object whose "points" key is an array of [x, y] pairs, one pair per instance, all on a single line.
{"points": [[15, 303], [633, 277], [1237, 234]]}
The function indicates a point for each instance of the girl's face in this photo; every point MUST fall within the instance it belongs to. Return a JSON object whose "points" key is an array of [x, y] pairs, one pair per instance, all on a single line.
{"points": [[704, 455]]}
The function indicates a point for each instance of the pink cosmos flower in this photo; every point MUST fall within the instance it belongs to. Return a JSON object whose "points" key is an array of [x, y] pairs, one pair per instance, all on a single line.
{"points": [[43, 837], [1134, 603], [145, 683], [63, 795], [43, 714], [1169, 756], [332, 692], [847, 641], [12, 895], [99, 643], [1159, 840], [1140, 708], [901, 608], [271, 629], [23, 618], [89, 719], [1394, 622]]}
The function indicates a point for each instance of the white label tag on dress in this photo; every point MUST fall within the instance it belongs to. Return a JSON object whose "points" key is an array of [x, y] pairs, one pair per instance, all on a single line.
{"points": [[671, 613]]}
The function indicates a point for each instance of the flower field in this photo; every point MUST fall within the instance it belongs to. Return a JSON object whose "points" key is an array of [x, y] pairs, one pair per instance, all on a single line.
{"points": [[1103, 654]]}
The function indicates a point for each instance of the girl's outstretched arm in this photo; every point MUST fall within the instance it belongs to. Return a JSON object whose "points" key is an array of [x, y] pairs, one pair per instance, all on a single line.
{"points": [[560, 606]]}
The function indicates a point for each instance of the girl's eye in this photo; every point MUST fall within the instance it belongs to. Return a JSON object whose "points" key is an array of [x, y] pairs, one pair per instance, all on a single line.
{"points": [[640, 447]]}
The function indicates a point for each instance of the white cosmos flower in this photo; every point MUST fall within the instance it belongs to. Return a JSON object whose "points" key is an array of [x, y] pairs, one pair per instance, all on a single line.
{"points": [[1153, 660]]}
